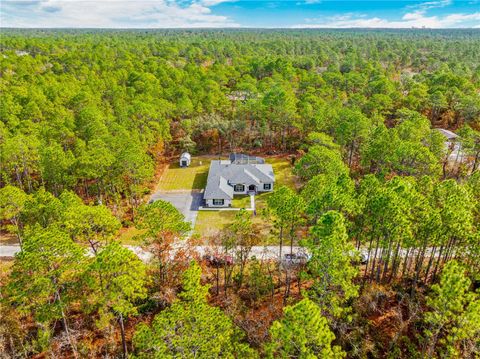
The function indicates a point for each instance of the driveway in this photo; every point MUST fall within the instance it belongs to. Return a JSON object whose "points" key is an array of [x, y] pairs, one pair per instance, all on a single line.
{"points": [[187, 202]]}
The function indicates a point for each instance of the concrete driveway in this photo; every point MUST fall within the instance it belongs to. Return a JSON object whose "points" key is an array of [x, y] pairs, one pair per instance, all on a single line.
{"points": [[187, 202]]}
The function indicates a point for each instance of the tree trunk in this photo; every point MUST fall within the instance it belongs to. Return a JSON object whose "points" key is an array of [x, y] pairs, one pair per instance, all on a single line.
{"points": [[281, 242], [437, 263], [368, 257], [124, 342], [430, 262], [65, 325], [387, 261], [372, 273], [396, 262], [405, 263]]}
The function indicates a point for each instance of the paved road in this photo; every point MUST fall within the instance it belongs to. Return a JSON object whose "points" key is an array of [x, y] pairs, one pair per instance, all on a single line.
{"points": [[9, 251], [260, 252], [187, 202]]}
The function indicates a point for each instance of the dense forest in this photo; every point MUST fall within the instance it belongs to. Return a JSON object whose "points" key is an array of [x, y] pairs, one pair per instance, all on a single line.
{"points": [[387, 210]]}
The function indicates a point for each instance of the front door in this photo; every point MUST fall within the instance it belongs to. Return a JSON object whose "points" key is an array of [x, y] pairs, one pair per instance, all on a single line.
{"points": [[252, 187]]}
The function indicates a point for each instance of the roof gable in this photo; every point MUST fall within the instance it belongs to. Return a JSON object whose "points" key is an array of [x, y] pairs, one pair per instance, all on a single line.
{"points": [[224, 174]]}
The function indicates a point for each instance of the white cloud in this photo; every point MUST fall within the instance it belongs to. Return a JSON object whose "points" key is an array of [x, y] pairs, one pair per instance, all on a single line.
{"points": [[409, 20], [214, 2], [112, 14], [423, 7]]}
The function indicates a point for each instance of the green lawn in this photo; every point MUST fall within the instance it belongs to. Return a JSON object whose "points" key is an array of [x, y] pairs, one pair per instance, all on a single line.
{"points": [[242, 201], [210, 223], [185, 178], [282, 169]]}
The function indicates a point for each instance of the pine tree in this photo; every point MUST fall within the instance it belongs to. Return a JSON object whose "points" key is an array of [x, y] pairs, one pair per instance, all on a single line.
{"points": [[116, 280], [302, 333], [45, 275], [191, 328], [454, 317], [330, 266]]}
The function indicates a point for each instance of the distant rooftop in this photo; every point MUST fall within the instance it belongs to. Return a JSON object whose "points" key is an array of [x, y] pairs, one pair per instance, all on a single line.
{"points": [[448, 134]]}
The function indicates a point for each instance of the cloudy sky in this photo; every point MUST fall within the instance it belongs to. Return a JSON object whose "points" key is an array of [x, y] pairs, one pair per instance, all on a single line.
{"points": [[240, 13]]}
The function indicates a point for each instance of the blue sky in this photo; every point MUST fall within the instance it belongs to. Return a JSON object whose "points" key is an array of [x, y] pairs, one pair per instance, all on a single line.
{"points": [[240, 13]]}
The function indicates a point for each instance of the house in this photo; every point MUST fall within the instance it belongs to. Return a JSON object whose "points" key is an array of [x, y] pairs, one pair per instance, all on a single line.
{"points": [[240, 174], [452, 144], [185, 159]]}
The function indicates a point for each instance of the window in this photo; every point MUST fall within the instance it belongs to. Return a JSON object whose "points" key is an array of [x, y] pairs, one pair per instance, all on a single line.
{"points": [[267, 186], [218, 202], [239, 188]]}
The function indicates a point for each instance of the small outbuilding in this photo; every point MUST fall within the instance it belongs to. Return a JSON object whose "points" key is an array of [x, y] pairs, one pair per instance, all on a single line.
{"points": [[185, 159]]}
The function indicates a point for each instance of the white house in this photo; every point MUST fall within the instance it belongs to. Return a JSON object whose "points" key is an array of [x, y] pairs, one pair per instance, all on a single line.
{"points": [[241, 174], [185, 159]]}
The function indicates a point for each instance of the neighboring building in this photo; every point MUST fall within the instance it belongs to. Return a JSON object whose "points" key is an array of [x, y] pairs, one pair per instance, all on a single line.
{"points": [[452, 144], [449, 135], [185, 159], [241, 174]]}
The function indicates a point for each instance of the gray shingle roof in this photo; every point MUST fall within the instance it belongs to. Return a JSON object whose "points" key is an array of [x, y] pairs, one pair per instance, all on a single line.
{"points": [[223, 174], [448, 134]]}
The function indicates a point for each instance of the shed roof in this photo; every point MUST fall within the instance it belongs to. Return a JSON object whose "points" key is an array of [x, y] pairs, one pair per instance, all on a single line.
{"points": [[448, 134]]}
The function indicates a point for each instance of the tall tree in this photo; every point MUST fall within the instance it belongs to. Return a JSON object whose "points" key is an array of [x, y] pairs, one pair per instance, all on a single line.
{"points": [[45, 276], [302, 333], [190, 327], [320, 160], [453, 321], [116, 280], [161, 224], [330, 265], [12, 203]]}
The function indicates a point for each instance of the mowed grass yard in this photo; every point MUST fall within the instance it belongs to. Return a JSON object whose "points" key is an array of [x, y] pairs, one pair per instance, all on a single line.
{"points": [[210, 223], [185, 178]]}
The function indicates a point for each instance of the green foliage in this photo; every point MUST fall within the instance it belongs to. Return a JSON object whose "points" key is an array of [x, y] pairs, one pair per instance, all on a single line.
{"points": [[190, 327], [320, 160], [323, 193], [330, 265], [453, 320], [116, 279], [410, 148], [45, 274], [368, 99], [12, 203], [160, 217], [302, 333]]}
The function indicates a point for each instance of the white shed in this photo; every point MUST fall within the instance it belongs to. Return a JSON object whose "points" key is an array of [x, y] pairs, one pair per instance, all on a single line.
{"points": [[185, 159]]}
